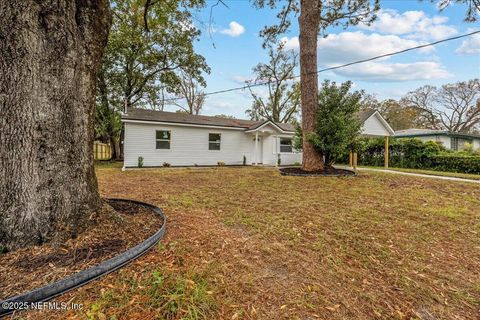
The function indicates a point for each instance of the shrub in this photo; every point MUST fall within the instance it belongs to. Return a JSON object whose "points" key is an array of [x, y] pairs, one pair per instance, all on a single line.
{"points": [[244, 160], [166, 164], [337, 125], [140, 162], [220, 163], [415, 154], [279, 159], [455, 163]]}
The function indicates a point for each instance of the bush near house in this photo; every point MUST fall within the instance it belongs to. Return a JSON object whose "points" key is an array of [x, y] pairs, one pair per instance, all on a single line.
{"points": [[456, 163], [416, 154]]}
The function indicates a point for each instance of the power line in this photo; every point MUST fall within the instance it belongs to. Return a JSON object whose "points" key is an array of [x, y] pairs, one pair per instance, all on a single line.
{"points": [[339, 66]]}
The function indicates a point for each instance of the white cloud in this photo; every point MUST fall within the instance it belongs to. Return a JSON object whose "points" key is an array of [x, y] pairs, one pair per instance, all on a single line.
{"points": [[470, 46], [384, 72], [235, 29], [241, 79], [412, 24], [344, 47], [350, 46]]}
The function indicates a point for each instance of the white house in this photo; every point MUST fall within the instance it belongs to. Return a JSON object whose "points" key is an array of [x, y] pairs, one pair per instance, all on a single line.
{"points": [[181, 139], [450, 140]]}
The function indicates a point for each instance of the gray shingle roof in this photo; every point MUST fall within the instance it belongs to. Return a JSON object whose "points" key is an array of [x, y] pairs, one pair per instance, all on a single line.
{"points": [[365, 114], [431, 132], [413, 131], [181, 117]]}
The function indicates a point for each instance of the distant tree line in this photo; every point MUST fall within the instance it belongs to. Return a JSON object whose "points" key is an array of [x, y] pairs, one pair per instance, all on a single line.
{"points": [[454, 107]]}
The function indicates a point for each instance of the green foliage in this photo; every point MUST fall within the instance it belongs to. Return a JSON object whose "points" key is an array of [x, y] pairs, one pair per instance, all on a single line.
{"points": [[279, 160], [337, 124], [138, 67], [415, 154], [404, 153], [140, 162], [140, 64], [343, 13], [456, 163]]}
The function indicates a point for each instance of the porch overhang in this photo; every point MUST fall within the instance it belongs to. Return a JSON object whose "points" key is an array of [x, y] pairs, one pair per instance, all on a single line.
{"points": [[259, 127]]}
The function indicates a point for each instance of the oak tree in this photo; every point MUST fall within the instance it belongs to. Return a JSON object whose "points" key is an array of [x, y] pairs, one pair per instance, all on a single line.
{"points": [[282, 100], [50, 53]]}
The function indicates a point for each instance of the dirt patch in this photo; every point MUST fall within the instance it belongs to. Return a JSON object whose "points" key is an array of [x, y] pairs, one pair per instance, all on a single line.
{"points": [[119, 226], [295, 171]]}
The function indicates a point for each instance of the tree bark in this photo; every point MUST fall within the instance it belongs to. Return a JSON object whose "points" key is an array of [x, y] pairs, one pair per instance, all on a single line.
{"points": [[309, 21], [50, 53], [115, 145]]}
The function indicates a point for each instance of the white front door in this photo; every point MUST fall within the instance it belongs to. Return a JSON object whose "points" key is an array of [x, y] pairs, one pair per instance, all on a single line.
{"points": [[257, 150]]}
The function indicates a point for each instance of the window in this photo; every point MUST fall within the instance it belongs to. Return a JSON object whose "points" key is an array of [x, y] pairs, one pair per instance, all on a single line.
{"points": [[214, 141], [163, 139], [286, 145], [454, 143]]}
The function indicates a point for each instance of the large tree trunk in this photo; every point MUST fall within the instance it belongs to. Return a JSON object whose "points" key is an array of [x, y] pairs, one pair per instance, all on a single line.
{"points": [[309, 23], [50, 53], [115, 145]]}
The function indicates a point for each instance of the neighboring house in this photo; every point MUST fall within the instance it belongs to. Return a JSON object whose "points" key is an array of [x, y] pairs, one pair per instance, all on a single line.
{"points": [[450, 140], [181, 139]]}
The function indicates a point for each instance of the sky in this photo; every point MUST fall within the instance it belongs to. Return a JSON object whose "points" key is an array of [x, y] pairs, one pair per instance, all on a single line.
{"points": [[234, 47]]}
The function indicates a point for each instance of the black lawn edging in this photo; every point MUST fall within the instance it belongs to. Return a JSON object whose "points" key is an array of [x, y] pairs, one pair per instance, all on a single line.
{"points": [[25, 300], [298, 172]]}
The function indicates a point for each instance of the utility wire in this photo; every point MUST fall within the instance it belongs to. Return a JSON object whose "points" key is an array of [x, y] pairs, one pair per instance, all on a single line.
{"points": [[337, 67]]}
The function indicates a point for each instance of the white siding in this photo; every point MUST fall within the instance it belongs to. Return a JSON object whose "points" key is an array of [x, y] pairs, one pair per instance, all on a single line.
{"points": [[444, 140], [286, 158], [374, 126], [188, 146], [476, 144]]}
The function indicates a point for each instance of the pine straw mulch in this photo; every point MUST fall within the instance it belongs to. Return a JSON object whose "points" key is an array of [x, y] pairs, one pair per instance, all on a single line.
{"points": [[117, 227], [297, 171]]}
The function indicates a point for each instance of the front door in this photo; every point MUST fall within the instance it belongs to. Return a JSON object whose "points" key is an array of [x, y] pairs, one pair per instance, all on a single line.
{"points": [[258, 152]]}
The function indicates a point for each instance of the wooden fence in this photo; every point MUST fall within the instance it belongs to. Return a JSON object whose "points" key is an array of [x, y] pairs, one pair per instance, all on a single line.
{"points": [[101, 151]]}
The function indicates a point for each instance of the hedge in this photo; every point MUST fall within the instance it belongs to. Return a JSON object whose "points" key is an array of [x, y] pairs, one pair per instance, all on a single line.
{"points": [[465, 164], [415, 154]]}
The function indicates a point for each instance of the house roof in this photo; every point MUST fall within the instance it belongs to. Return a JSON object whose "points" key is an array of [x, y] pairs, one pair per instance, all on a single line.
{"points": [[185, 118], [365, 114], [409, 133]]}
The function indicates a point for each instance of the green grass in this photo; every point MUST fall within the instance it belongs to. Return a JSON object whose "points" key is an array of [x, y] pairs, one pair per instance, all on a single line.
{"points": [[432, 172], [248, 243], [108, 164]]}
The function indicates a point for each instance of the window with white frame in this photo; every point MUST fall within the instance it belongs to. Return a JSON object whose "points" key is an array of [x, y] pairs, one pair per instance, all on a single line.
{"points": [[214, 141], [286, 145], [163, 139]]}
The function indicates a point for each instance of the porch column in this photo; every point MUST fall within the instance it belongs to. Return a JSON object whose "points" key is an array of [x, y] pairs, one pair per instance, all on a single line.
{"points": [[386, 152], [255, 154]]}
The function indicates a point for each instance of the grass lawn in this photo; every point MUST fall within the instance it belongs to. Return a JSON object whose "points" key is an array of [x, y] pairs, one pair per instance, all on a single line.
{"points": [[471, 176], [247, 243]]}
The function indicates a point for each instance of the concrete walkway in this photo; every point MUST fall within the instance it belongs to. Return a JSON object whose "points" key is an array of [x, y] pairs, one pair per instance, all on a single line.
{"points": [[420, 175]]}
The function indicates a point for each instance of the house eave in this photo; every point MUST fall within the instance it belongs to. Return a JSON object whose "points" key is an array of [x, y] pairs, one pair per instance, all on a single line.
{"points": [[181, 124], [267, 123]]}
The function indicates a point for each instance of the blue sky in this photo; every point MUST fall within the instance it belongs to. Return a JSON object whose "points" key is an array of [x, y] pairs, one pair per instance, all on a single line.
{"points": [[234, 48]]}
